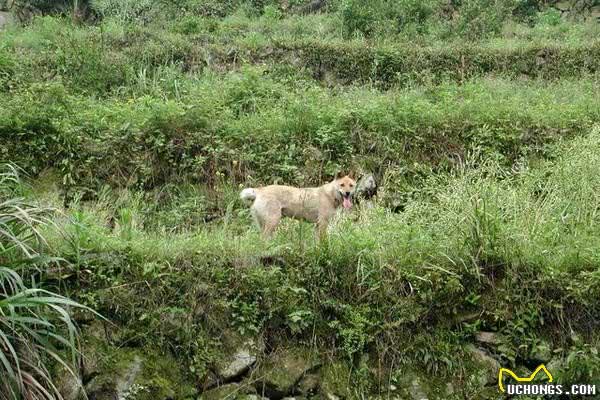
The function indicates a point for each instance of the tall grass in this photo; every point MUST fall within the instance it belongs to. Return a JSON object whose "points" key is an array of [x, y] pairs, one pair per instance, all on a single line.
{"points": [[515, 246], [35, 326]]}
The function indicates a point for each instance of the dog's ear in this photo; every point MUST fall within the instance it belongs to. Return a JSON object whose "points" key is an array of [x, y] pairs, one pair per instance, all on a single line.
{"points": [[339, 174]]}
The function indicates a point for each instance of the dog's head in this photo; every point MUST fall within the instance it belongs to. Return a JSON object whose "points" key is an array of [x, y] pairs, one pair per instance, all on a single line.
{"points": [[346, 187]]}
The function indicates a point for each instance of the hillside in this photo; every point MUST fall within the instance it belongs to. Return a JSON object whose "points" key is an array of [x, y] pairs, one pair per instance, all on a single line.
{"points": [[133, 126]]}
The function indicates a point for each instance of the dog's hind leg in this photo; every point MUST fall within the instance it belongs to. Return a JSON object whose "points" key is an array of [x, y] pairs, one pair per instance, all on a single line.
{"points": [[267, 214], [257, 219], [271, 222]]}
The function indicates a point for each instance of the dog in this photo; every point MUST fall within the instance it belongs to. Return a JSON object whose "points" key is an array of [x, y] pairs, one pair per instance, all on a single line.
{"points": [[269, 204]]}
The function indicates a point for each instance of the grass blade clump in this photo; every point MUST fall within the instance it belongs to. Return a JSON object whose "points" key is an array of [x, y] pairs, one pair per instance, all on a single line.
{"points": [[35, 326]]}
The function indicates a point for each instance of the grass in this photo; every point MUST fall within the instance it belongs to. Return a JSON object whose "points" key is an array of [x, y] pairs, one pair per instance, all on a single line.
{"points": [[141, 128], [111, 56], [518, 248], [36, 330], [246, 127], [534, 205]]}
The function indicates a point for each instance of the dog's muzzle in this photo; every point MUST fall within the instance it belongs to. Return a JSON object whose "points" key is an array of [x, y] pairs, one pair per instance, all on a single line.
{"points": [[346, 199]]}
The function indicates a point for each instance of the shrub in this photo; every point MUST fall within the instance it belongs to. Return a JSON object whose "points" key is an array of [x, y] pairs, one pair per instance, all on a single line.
{"points": [[482, 18], [413, 18], [550, 17], [358, 16], [127, 10]]}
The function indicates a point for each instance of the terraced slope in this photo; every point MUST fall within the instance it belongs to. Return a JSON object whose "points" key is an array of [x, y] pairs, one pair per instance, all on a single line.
{"points": [[141, 123]]}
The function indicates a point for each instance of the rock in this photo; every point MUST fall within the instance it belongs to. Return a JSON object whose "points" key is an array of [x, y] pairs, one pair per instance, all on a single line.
{"points": [[522, 370], [563, 5], [4, 19], [309, 384], [491, 338], [209, 380], [416, 390], [223, 392], [142, 374], [366, 187], [466, 317], [232, 391], [105, 331], [69, 385], [595, 13], [482, 357], [313, 7], [283, 370], [118, 385], [96, 330], [329, 78], [412, 385], [489, 374], [240, 354], [241, 362], [90, 366]]}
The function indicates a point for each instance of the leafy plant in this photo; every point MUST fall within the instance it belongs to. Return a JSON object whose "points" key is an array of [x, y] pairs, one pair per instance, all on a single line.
{"points": [[18, 220], [358, 16], [33, 322], [550, 17], [300, 320], [125, 10], [35, 326], [583, 363], [482, 18]]}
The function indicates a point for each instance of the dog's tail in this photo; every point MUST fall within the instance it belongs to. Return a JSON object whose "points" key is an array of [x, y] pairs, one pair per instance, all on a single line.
{"points": [[248, 195]]}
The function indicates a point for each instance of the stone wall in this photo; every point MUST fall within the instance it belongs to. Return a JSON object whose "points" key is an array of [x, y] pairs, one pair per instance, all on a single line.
{"points": [[574, 9]]}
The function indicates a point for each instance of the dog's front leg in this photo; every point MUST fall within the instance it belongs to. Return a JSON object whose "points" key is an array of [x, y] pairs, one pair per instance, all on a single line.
{"points": [[321, 228]]}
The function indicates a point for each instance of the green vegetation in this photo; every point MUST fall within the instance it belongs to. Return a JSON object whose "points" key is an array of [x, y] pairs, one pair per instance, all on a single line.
{"points": [[30, 317], [226, 129], [141, 120]]}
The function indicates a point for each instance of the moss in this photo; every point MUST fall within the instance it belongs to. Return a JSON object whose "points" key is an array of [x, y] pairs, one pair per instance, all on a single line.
{"points": [[229, 391], [281, 371], [140, 374], [163, 376]]}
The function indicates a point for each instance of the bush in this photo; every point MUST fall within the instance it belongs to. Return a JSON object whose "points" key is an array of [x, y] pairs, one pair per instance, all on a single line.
{"points": [[25, 10], [482, 18], [414, 17], [387, 17], [127, 10], [550, 17], [526, 10], [358, 17]]}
